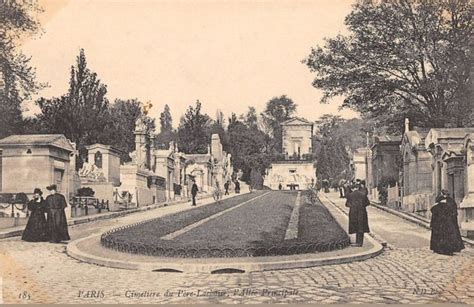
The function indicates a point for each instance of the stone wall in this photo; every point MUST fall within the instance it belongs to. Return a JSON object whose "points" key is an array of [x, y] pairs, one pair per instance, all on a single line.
{"points": [[280, 173]]}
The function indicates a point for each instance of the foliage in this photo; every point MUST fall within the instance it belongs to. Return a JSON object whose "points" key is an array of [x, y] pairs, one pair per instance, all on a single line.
{"points": [[86, 191], [85, 116], [80, 114], [334, 136], [278, 110], [249, 147], [17, 77], [166, 121], [166, 135], [193, 130], [120, 129], [383, 185], [403, 58], [256, 179]]}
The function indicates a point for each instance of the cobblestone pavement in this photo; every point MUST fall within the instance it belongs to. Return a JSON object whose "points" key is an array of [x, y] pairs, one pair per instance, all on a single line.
{"points": [[43, 273]]}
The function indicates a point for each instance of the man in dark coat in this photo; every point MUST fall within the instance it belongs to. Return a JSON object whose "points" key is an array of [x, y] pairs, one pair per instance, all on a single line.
{"points": [[194, 191], [445, 235], [226, 187], [347, 189], [357, 201], [237, 186], [57, 222]]}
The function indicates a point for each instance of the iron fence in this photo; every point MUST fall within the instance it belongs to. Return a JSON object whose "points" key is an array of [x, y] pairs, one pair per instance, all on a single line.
{"points": [[85, 201], [14, 202]]}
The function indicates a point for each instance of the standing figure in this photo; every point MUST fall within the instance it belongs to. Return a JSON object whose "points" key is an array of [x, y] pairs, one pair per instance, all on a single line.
{"points": [[237, 186], [57, 222], [347, 189], [226, 187], [445, 235], [280, 186], [194, 191], [363, 187], [357, 201], [36, 229], [342, 182]]}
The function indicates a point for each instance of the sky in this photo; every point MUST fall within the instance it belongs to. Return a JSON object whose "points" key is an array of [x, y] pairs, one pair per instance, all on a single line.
{"points": [[229, 54]]}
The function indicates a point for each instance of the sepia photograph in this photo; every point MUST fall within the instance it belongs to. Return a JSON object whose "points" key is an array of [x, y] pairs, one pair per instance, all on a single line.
{"points": [[236, 152]]}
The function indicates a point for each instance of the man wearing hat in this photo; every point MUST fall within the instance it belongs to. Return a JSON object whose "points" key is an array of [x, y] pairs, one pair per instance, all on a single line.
{"points": [[57, 222]]}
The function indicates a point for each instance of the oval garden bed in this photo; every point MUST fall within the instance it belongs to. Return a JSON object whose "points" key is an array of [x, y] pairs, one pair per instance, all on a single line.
{"points": [[256, 228]]}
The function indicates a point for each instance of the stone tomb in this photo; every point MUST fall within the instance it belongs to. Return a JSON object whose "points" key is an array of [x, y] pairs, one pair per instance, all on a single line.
{"points": [[101, 172], [467, 204], [36, 161], [417, 172], [294, 167]]}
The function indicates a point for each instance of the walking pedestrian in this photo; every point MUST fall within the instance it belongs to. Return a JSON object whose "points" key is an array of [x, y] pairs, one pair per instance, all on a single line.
{"points": [[445, 235], [194, 191], [357, 202], [56, 217], [36, 229]]}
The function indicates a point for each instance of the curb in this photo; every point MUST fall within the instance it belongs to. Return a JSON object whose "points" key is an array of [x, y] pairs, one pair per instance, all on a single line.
{"points": [[415, 220], [109, 215], [241, 265], [209, 265]]}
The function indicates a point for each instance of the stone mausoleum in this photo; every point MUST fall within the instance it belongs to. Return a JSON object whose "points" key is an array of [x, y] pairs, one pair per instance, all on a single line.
{"points": [[36, 161], [294, 168]]}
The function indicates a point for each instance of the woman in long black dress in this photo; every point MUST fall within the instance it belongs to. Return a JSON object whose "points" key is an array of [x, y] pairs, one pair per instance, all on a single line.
{"points": [[445, 235], [36, 229]]}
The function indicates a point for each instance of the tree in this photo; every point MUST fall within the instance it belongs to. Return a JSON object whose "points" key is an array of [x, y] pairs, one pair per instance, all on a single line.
{"points": [[17, 77], [250, 148], [166, 121], [121, 126], [166, 135], [402, 58], [82, 114], [334, 136], [278, 110], [193, 130]]}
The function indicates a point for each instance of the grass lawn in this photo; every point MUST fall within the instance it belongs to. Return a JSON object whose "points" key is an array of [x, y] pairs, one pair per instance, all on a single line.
{"points": [[262, 222], [254, 229], [316, 224], [156, 228]]}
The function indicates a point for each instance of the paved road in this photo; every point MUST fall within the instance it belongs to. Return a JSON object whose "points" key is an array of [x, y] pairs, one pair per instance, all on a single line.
{"points": [[406, 273]]}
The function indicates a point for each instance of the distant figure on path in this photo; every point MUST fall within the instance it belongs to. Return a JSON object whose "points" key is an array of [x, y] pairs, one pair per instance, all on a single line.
{"points": [[364, 188], [342, 182], [237, 187], [347, 189], [57, 222], [226, 187], [36, 229], [194, 191], [357, 202], [445, 235], [280, 186]]}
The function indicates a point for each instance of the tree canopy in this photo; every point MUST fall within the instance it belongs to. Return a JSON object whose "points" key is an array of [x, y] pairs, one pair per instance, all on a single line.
{"points": [[402, 58], [85, 116], [17, 77], [277, 110], [193, 130]]}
